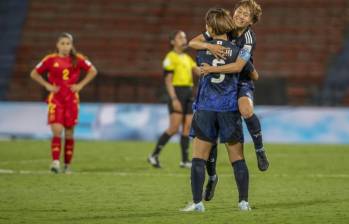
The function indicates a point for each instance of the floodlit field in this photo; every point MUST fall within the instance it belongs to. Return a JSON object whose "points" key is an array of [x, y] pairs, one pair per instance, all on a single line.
{"points": [[112, 183]]}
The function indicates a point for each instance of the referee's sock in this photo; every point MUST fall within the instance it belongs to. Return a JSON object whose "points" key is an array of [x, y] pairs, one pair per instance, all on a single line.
{"points": [[161, 143], [185, 148]]}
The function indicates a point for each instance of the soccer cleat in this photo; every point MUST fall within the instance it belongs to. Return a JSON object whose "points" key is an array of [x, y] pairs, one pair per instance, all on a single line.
{"points": [[210, 189], [186, 164], [55, 166], [192, 207], [154, 161], [262, 159], [244, 206], [67, 169]]}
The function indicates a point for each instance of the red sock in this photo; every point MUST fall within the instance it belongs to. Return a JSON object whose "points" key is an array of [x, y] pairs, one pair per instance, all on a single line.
{"points": [[55, 148], [68, 150]]}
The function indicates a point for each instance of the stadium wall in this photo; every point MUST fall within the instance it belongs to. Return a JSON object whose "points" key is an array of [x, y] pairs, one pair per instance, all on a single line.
{"points": [[148, 121]]}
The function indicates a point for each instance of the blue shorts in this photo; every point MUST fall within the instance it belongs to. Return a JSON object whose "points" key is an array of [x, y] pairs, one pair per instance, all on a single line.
{"points": [[246, 89], [210, 125]]}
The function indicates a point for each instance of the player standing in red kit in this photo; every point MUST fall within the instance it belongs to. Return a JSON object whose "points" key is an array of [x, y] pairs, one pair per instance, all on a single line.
{"points": [[63, 68]]}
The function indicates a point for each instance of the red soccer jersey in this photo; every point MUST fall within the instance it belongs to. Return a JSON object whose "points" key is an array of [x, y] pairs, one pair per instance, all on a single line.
{"points": [[61, 71]]}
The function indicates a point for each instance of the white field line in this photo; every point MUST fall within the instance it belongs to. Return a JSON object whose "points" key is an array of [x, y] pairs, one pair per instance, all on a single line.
{"points": [[24, 161], [150, 174]]}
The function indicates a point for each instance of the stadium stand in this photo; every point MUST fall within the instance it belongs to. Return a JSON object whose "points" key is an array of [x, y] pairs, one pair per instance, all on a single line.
{"points": [[12, 14], [296, 42]]}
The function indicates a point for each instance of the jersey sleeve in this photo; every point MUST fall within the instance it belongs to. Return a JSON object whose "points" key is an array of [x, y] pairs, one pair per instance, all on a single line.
{"points": [[84, 63], [248, 68], [168, 65], [207, 36], [43, 65], [249, 45]]}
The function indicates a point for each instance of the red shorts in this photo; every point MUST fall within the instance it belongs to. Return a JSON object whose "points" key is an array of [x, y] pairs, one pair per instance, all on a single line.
{"points": [[63, 110]]}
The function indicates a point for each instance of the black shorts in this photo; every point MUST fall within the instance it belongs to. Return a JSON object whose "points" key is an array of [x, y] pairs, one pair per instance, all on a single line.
{"points": [[185, 97], [209, 125], [246, 89]]}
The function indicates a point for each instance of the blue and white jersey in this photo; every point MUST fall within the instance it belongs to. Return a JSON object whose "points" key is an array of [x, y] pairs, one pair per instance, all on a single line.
{"points": [[247, 44], [218, 92]]}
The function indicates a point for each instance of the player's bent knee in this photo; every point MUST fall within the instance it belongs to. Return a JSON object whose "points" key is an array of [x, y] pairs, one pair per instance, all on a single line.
{"points": [[69, 136], [172, 131], [246, 112], [57, 131]]}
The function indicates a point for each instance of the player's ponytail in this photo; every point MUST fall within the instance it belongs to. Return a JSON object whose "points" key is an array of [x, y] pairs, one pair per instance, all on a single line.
{"points": [[73, 52]]}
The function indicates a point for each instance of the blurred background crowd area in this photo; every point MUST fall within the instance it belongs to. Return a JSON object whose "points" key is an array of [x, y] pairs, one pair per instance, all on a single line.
{"points": [[302, 50]]}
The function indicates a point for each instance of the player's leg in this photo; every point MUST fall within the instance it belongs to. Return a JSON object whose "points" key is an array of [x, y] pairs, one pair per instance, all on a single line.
{"points": [[253, 125], [56, 130], [236, 157], [201, 151], [55, 120], [71, 111], [68, 148], [212, 175], [175, 122], [205, 133], [231, 134], [184, 142], [187, 102]]}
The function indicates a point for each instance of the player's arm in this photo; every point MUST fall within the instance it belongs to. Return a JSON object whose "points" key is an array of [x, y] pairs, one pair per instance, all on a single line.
{"points": [[199, 43], [41, 68], [39, 79], [171, 92], [250, 71], [196, 71], [91, 74], [235, 67], [254, 75]]}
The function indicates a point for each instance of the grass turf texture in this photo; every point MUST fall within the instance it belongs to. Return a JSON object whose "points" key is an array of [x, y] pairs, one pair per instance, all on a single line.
{"points": [[112, 183]]}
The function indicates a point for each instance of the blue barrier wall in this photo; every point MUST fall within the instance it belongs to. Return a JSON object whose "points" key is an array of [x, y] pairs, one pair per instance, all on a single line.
{"points": [[148, 121]]}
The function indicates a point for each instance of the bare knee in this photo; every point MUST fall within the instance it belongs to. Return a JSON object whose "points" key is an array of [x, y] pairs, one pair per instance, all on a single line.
{"points": [[246, 107], [235, 151], [172, 130], [186, 129], [237, 158], [57, 130], [69, 133], [201, 149], [246, 112]]}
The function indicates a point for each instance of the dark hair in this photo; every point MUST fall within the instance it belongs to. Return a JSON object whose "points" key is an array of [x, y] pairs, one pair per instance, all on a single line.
{"points": [[173, 35], [255, 8], [72, 53], [219, 20]]}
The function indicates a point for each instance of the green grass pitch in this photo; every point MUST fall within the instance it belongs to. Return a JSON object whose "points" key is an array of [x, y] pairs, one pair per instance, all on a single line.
{"points": [[112, 183]]}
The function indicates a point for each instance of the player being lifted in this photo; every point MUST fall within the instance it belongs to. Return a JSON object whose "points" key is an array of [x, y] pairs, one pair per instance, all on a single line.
{"points": [[63, 68], [246, 13], [216, 114], [178, 69]]}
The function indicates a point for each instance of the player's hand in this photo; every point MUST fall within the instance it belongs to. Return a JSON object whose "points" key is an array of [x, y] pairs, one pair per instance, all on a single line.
{"points": [[176, 105], [76, 88], [52, 88], [205, 69], [218, 51]]}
